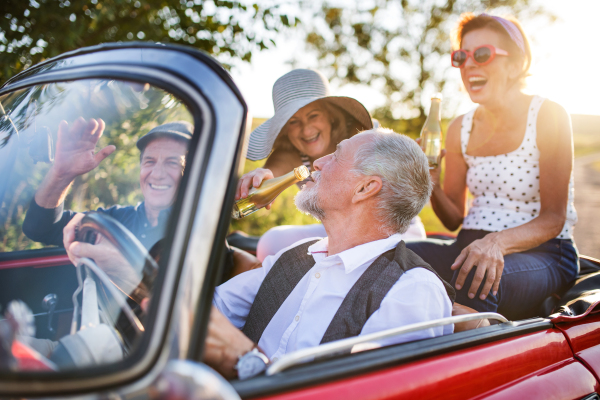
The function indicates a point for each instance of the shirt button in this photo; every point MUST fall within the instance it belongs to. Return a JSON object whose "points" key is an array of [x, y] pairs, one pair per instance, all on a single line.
{"points": [[297, 318], [145, 225], [144, 236], [317, 275], [274, 359]]}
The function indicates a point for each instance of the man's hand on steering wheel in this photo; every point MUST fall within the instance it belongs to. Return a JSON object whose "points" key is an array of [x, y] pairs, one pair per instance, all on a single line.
{"points": [[110, 260]]}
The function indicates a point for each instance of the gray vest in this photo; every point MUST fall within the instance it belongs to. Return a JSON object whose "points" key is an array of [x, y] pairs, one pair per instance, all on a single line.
{"points": [[363, 299]]}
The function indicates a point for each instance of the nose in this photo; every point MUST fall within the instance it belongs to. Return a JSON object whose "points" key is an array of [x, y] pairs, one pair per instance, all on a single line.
{"points": [[470, 62], [307, 129], [158, 170], [318, 164]]}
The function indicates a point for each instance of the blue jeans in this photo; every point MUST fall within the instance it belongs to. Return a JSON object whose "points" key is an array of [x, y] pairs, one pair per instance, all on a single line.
{"points": [[528, 277]]}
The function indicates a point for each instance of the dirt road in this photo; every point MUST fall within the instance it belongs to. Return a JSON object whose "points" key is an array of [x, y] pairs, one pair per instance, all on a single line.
{"points": [[587, 204]]}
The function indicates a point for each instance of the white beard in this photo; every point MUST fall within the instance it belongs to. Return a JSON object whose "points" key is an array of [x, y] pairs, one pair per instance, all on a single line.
{"points": [[307, 200]]}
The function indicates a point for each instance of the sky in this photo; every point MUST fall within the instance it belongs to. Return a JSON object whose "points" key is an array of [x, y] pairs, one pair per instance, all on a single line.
{"points": [[565, 69]]}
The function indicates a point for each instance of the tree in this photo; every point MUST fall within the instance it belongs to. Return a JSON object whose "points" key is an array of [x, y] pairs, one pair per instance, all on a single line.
{"points": [[31, 31], [400, 46]]}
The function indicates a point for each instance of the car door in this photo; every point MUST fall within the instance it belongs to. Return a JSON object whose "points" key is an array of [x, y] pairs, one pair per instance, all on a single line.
{"points": [[132, 88], [526, 359]]}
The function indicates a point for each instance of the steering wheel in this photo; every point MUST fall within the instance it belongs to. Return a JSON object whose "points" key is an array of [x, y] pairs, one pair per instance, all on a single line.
{"points": [[103, 300]]}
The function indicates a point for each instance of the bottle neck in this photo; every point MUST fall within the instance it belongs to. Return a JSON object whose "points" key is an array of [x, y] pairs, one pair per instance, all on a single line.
{"points": [[434, 111]]}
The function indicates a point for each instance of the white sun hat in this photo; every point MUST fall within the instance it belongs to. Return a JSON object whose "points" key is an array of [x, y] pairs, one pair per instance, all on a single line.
{"points": [[291, 92]]}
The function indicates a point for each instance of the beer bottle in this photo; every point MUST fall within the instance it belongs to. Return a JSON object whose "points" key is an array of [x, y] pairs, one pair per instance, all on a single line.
{"points": [[267, 192], [431, 134]]}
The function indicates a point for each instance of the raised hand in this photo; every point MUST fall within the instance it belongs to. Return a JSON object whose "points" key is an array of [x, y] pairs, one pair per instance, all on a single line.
{"points": [[75, 148]]}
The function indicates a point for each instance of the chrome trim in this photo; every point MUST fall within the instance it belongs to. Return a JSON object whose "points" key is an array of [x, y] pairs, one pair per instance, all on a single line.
{"points": [[190, 380], [90, 316], [346, 345]]}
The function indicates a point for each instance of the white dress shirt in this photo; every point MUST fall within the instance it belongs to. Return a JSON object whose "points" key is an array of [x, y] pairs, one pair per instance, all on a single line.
{"points": [[305, 315]]}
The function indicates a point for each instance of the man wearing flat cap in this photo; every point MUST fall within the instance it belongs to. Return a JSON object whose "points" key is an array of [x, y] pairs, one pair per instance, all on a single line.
{"points": [[162, 161]]}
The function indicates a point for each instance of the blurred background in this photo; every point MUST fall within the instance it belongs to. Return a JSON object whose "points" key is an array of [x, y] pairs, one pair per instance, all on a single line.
{"points": [[391, 55]]}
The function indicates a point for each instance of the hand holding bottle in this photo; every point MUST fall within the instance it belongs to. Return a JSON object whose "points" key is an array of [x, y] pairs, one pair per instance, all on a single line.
{"points": [[437, 170], [431, 134], [252, 179], [267, 191]]}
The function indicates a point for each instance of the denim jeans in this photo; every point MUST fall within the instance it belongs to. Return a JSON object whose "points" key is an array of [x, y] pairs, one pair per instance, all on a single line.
{"points": [[527, 279]]}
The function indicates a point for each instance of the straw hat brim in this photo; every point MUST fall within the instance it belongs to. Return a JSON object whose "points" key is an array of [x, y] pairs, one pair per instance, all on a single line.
{"points": [[263, 137]]}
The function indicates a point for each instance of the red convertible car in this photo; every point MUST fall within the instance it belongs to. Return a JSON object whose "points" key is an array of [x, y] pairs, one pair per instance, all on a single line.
{"points": [[69, 332]]}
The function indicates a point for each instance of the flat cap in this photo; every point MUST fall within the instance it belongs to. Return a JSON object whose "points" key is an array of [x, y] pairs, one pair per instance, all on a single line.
{"points": [[177, 130]]}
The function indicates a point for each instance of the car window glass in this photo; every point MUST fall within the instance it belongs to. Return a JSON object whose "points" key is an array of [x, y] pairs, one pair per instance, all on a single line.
{"points": [[94, 165]]}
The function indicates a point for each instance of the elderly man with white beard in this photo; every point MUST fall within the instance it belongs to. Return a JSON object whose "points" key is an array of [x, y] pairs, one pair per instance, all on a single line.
{"points": [[358, 280]]}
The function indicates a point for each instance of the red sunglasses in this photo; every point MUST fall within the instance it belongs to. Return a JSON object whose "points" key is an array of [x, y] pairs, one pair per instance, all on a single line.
{"points": [[482, 55]]}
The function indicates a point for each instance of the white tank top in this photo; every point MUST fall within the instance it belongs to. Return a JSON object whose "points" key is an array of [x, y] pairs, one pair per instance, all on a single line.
{"points": [[506, 187]]}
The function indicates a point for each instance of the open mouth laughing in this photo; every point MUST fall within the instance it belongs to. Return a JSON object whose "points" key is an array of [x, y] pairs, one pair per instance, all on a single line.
{"points": [[477, 83], [312, 139]]}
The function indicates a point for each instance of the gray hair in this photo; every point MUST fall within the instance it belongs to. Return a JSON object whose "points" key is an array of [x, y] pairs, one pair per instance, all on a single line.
{"points": [[401, 164]]}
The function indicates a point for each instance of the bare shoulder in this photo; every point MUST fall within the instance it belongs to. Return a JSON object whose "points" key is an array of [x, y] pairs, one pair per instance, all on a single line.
{"points": [[453, 136], [553, 120], [554, 132]]}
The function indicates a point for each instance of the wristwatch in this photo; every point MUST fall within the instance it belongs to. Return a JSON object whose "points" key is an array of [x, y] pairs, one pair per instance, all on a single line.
{"points": [[251, 364]]}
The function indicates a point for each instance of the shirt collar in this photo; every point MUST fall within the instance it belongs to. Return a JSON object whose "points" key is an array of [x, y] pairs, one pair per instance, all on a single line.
{"points": [[163, 215], [359, 255]]}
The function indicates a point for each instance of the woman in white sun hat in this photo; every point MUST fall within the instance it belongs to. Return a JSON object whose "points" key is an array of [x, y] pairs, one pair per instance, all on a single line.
{"points": [[307, 125]]}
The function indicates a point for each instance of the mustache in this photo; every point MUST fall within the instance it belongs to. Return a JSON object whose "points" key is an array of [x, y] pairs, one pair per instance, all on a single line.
{"points": [[315, 176]]}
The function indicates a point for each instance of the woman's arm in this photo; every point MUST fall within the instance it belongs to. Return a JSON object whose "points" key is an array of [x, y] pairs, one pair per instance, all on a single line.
{"points": [[555, 142], [449, 203]]}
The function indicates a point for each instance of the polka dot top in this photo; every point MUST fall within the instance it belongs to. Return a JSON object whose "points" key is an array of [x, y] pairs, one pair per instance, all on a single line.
{"points": [[506, 187]]}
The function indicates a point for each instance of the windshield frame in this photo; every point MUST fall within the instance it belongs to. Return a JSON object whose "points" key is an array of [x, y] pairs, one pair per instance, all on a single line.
{"points": [[160, 313]]}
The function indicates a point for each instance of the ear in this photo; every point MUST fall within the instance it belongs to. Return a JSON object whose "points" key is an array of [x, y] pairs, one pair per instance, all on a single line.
{"points": [[367, 188]]}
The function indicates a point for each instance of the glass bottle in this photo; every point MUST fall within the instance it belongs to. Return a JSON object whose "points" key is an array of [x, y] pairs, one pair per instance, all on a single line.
{"points": [[431, 134], [267, 192]]}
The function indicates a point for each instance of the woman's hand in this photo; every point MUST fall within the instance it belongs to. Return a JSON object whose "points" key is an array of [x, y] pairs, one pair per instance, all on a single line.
{"points": [[435, 173], [250, 180], [487, 256]]}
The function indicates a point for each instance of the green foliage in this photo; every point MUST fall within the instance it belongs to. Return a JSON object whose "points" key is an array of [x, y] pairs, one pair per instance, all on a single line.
{"points": [[401, 47], [31, 31]]}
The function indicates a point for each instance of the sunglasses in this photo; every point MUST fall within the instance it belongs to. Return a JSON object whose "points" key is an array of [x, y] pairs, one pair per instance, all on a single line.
{"points": [[482, 55]]}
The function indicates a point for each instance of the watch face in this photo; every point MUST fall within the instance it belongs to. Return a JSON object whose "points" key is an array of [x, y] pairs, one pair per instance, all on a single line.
{"points": [[250, 365]]}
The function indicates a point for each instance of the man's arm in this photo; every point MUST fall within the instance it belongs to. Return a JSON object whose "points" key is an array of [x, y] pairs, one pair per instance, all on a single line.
{"points": [[225, 344], [74, 156]]}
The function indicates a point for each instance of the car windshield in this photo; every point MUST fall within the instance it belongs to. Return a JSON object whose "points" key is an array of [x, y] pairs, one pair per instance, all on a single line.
{"points": [[93, 167]]}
